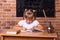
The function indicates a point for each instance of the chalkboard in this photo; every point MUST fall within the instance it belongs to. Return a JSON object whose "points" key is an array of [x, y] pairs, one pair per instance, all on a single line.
{"points": [[38, 5]]}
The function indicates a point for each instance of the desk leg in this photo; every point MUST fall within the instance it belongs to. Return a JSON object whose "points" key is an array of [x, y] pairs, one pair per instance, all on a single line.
{"points": [[1, 37], [54, 39]]}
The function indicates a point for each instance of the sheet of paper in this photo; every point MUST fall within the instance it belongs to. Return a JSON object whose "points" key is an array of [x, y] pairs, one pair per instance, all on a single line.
{"points": [[26, 30]]}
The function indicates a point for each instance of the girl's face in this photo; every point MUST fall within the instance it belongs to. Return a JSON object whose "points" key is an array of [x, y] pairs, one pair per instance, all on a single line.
{"points": [[29, 21]]}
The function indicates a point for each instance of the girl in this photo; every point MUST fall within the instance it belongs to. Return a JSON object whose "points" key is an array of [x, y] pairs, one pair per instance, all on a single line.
{"points": [[29, 21]]}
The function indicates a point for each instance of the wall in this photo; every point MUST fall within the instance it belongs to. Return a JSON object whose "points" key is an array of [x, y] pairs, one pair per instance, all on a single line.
{"points": [[8, 15]]}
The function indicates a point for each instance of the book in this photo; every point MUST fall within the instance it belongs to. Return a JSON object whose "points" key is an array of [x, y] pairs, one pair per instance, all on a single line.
{"points": [[12, 31], [37, 30]]}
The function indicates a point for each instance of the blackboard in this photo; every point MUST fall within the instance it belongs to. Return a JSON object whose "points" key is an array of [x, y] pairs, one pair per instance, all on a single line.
{"points": [[38, 5]]}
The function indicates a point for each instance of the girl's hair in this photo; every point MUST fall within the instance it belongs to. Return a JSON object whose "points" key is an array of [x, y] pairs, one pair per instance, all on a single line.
{"points": [[30, 14]]}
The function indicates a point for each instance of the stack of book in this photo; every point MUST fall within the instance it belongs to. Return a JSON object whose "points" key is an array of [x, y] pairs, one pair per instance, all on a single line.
{"points": [[12, 31]]}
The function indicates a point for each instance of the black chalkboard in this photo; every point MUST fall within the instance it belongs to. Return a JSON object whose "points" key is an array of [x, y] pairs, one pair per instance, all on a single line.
{"points": [[38, 5]]}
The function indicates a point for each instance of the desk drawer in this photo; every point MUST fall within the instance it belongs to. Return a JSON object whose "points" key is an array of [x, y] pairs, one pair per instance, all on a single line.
{"points": [[24, 38]]}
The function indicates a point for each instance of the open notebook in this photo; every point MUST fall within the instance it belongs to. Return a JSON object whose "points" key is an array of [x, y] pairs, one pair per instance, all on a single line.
{"points": [[32, 30]]}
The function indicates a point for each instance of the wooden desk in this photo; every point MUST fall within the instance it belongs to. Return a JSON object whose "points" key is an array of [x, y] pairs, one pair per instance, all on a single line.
{"points": [[29, 36]]}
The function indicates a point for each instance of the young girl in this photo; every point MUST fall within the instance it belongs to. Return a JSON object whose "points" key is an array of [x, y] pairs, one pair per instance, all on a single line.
{"points": [[29, 21]]}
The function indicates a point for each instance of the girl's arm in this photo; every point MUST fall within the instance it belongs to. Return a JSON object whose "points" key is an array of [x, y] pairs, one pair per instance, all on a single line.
{"points": [[17, 27], [39, 27]]}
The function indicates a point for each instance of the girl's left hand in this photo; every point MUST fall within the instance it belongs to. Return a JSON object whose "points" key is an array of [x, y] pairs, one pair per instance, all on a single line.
{"points": [[39, 27]]}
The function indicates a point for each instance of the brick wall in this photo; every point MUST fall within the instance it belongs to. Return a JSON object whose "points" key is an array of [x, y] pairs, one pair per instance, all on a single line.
{"points": [[8, 15], [57, 6]]}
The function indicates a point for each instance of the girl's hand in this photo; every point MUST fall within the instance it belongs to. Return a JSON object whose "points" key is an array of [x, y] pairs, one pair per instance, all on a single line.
{"points": [[39, 27], [17, 27]]}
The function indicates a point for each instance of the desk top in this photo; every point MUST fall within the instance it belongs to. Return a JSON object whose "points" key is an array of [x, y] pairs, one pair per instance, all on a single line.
{"points": [[32, 34]]}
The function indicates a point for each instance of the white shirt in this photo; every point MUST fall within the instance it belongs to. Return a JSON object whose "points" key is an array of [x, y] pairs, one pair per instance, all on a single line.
{"points": [[28, 26]]}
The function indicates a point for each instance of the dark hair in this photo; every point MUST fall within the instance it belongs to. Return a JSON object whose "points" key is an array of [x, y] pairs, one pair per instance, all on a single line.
{"points": [[29, 14]]}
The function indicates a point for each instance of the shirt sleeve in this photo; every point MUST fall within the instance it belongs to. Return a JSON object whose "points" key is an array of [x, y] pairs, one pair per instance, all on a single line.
{"points": [[36, 23], [20, 23]]}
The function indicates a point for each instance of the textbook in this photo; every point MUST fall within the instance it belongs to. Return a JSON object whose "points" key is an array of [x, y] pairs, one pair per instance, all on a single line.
{"points": [[13, 31]]}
